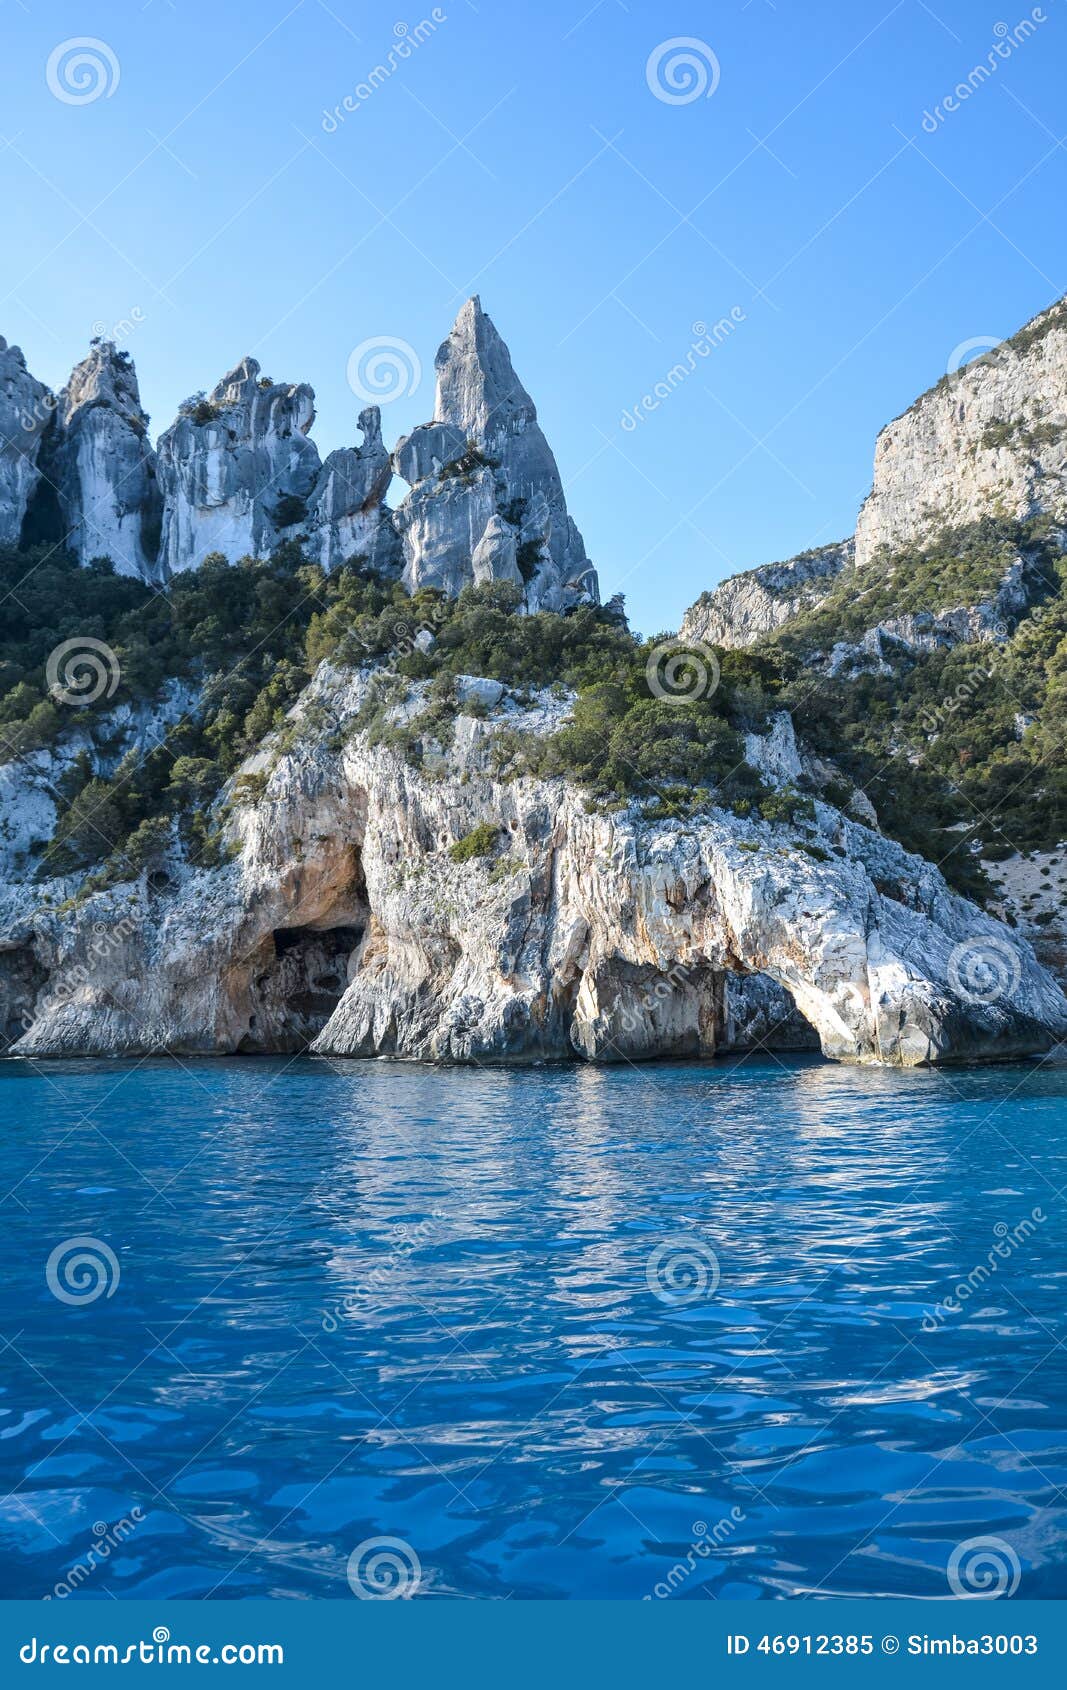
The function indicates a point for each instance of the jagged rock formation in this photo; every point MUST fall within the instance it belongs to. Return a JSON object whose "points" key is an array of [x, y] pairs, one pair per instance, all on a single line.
{"points": [[990, 438], [237, 473], [26, 407], [346, 917], [347, 516], [236, 469], [101, 463], [747, 606], [486, 500]]}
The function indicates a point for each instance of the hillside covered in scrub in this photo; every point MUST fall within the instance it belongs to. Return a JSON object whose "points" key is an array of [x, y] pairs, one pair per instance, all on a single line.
{"points": [[431, 799]]}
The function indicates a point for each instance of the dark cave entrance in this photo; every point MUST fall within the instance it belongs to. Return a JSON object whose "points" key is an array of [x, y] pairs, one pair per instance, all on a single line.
{"points": [[22, 978], [301, 979]]}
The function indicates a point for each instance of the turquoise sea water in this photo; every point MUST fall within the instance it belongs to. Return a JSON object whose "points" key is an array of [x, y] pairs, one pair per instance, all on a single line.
{"points": [[676, 1331]]}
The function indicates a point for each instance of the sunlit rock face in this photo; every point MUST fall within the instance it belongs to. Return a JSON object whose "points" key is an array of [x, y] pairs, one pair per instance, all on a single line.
{"points": [[237, 474], [747, 606], [486, 500], [344, 914], [103, 466], [989, 439], [348, 519], [26, 407], [236, 470]]}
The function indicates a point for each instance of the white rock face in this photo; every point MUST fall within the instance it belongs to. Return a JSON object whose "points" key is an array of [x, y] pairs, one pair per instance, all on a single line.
{"points": [[237, 474], [990, 439], [486, 500], [747, 606], [236, 470], [103, 465], [26, 407], [603, 936], [347, 516]]}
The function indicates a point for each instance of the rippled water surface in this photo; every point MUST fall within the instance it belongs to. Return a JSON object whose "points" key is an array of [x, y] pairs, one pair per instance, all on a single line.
{"points": [[478, 1312]]}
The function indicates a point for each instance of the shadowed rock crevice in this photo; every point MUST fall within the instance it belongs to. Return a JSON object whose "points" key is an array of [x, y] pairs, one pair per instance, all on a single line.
{"points": [[300, 976], [22, 981]]}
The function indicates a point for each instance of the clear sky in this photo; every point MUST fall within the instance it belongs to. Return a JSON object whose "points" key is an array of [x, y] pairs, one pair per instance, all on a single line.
{"points": [[206, 204]]}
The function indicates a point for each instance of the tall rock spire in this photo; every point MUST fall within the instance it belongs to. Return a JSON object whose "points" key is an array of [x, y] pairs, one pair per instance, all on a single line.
{"points": [[486, 499], [103, 465], [26, 407], [347, 516], [477, 388]]}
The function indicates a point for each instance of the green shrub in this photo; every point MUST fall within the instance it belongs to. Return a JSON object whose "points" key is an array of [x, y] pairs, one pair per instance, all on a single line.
{"points": [[479, 842]]}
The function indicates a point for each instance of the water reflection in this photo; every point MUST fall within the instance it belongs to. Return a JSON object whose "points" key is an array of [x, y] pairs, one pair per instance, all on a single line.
{"points": [[364, 1298]]}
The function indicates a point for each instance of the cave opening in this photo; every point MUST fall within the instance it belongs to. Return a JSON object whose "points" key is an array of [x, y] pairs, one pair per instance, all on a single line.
{"points": [[301, 979]]}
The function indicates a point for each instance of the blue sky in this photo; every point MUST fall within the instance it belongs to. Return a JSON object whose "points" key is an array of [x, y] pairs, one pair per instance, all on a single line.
{"points": [[519, 151]]}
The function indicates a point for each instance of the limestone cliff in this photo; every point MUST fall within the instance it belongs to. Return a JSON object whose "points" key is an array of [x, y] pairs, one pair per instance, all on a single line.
{"points": [[358, 913], [347, 516], [486, 500], [236, 469], [990, 438], [747, 606], [103, 467], [237, 473], [26, 407]]}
